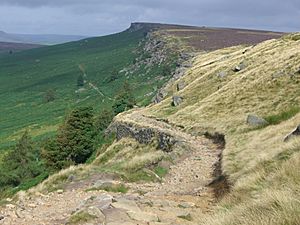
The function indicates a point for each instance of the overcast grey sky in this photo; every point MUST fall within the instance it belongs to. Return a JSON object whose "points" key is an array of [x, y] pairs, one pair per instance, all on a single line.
{"points": [[98, 17]]}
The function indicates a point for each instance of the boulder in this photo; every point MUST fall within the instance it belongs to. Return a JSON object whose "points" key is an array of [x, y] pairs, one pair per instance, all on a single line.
{"points": [[185, 56], [125, 204], [294, 133], [222, 74], [103, 201], [143, 216], [256, 120], [239, 67], [186, 205], [71, 178], [60, 191], [159, 96], [176, 100], [166, 142], [2, 217], [103, 184], [94, 211], [180, 85]]}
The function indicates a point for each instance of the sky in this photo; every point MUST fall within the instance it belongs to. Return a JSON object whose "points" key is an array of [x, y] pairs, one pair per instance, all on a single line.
{"points": [[100, 17]]}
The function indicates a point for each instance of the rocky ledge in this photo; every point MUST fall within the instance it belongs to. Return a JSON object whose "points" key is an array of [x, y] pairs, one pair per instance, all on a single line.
{"points": [[144, 135]]}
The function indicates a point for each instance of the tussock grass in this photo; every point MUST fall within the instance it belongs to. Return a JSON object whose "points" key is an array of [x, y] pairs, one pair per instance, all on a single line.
{"points": [[285, 115], [262, 168], [81, 217], [118, 188], [130, 159]]}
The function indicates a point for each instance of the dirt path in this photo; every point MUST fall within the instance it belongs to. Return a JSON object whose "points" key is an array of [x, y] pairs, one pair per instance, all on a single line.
{"points": [[181, 197]]}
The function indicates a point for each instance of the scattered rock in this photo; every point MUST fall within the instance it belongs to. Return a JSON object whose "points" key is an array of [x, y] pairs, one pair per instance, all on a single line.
{"points": [[10, 206], [186, 205], [179, 72], [142, 216], [159, 96], [185, 56], [180, 85], [71, 178], [294, 133], [176, 100], [187, 65], [256, 120], [166, 142], [31, 205], [103, 201], [185, 216], [94, 211], [222, 74], [127, 205], [60, 191], [278, 74], [239, 67], [103, 184]]}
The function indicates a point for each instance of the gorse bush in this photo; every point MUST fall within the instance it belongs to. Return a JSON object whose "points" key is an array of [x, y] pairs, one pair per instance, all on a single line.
{"points": [[74, 143], [20, 164]]}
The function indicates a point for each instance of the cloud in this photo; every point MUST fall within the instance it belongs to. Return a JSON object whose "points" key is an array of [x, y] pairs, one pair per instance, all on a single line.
{"points": [[97, 17]]}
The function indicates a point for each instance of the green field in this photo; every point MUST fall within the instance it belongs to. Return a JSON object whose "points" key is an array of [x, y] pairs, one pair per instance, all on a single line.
{"points": [[25, 77]]}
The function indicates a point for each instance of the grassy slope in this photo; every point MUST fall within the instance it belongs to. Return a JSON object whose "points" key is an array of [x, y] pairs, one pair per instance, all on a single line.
{"points": [[27, 75], [263, 169]]}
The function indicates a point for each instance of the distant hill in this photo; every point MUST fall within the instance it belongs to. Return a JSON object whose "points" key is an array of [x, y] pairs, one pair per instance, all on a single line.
{"points": [[43, 39], [9, 47]]}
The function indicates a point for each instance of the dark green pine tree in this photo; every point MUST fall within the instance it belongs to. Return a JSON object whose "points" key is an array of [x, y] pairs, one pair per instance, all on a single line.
{"points": [[103, 120], [75, 140], [20, 164], [124, 100]]}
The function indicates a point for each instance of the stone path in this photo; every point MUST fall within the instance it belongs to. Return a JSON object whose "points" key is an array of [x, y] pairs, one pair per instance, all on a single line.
{"points": [[181, 197]]}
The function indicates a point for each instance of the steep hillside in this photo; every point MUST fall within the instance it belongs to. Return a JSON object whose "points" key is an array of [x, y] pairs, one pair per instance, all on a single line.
{"points": [[146, 62], [105, 62], [218, 94], [211, 149]]}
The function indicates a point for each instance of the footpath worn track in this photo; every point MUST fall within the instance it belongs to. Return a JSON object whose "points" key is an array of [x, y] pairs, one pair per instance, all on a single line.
{"points": [[180, 198]]}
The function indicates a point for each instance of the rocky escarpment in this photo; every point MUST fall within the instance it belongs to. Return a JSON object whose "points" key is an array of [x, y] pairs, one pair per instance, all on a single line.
{"points": [[183, 64]]}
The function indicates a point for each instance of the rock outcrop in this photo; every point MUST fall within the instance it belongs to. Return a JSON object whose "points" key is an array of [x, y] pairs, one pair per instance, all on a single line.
{"points": [[254, 120], [294, 133], [177, 100]]}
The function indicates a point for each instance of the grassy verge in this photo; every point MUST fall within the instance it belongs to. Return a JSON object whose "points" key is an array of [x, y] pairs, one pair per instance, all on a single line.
{"points": [[81, 217], [118, 188], [283, 116]]}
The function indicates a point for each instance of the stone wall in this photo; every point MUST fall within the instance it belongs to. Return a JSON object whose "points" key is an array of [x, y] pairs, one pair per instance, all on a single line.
{"points": [[143, 135]]}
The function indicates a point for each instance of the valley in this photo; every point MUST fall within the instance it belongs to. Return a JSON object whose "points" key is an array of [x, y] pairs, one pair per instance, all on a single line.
{"points": [[205, 142]]}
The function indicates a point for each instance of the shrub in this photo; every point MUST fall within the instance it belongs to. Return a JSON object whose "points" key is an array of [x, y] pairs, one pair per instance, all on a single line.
{"points": [[20, 164], [74, 143], [103, 120], [124, 100], [49, 96]]}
